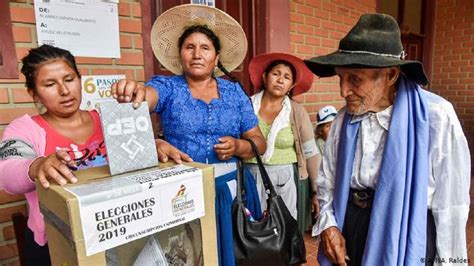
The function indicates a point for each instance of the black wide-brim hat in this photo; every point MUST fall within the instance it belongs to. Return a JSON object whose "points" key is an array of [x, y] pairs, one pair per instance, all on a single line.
{"points": [[374, 42]]}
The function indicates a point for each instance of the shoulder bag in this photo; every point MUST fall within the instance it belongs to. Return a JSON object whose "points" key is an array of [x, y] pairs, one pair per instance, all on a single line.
{"points": [[274, 240]]}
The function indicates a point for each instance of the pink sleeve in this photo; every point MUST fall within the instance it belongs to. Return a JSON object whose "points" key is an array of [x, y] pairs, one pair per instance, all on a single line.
{"points": [[14, 176], [15, 179]]}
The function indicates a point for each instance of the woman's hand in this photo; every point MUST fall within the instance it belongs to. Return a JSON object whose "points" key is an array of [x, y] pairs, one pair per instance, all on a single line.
{"points": [[230, 146], [125, 91], [53, 167], [166, 150], [226, 148]]}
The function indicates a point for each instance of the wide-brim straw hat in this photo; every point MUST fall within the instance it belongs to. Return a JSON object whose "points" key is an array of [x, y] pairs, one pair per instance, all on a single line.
{"points": [[170, 25], [374, 42], [258, 64]]}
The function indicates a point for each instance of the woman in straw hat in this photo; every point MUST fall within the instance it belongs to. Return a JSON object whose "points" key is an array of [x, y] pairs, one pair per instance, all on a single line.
{"points": [[291, 156], [395, 177], [203, 116]]}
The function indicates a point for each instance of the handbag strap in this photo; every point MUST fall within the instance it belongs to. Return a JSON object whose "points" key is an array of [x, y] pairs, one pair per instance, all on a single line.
{"points": [[267, 183], [240, 193]]}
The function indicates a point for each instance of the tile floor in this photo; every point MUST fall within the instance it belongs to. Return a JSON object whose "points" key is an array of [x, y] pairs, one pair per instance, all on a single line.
{"points": [[311, 250]]}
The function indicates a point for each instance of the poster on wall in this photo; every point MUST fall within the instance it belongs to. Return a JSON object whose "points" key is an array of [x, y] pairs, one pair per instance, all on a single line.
{"points": [[84, 27], [96, 90]]}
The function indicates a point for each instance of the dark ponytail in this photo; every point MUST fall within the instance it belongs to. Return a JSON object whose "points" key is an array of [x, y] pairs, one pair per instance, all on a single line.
{"points": [[227, 73]]}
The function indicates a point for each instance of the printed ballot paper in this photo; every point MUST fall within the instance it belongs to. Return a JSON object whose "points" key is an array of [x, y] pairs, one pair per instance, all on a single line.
{"points": [[128, 136]]}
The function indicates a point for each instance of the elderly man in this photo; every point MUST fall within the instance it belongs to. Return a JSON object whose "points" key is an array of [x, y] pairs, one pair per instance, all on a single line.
{"points": [[394, 182]]}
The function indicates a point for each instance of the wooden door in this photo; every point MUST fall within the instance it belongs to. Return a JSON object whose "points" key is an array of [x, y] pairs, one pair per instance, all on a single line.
{"points": [[416, 19], [413, 46]]}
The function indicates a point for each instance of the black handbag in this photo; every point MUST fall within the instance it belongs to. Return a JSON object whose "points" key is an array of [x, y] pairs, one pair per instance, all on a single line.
{"points": [[274, 240]]}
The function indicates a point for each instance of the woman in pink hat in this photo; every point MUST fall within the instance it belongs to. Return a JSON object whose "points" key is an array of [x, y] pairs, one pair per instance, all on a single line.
{"points": [[291, 158]]}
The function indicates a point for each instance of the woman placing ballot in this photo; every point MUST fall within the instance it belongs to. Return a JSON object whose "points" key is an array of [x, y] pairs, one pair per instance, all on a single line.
{"points": [[204, 116], [47, 147]]}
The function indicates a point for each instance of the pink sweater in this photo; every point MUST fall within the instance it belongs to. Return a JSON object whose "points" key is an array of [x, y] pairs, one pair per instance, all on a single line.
{"points": [[14, 176]]}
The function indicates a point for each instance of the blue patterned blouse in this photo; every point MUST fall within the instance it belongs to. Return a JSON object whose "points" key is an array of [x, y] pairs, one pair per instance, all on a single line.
{"points": [[192, 125]]}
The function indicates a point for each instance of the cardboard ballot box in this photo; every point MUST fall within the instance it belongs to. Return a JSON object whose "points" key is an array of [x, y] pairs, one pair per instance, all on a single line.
{"points": [[153, 216]]}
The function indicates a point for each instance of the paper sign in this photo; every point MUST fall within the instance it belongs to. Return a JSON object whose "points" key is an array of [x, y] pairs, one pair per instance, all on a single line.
{"points": [[128, 136], [84, 27], [142, 204], [96, 89]]}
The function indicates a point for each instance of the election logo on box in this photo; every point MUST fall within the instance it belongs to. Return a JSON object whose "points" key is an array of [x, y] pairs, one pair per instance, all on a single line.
{"points": [[181, 205]]}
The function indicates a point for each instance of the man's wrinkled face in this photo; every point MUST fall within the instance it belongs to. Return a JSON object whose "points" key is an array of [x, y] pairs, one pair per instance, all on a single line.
{"points": [[364, 89]]}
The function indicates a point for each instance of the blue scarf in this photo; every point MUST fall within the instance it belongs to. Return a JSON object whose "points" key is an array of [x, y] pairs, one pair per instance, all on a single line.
{"points": [[397, 229]]}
